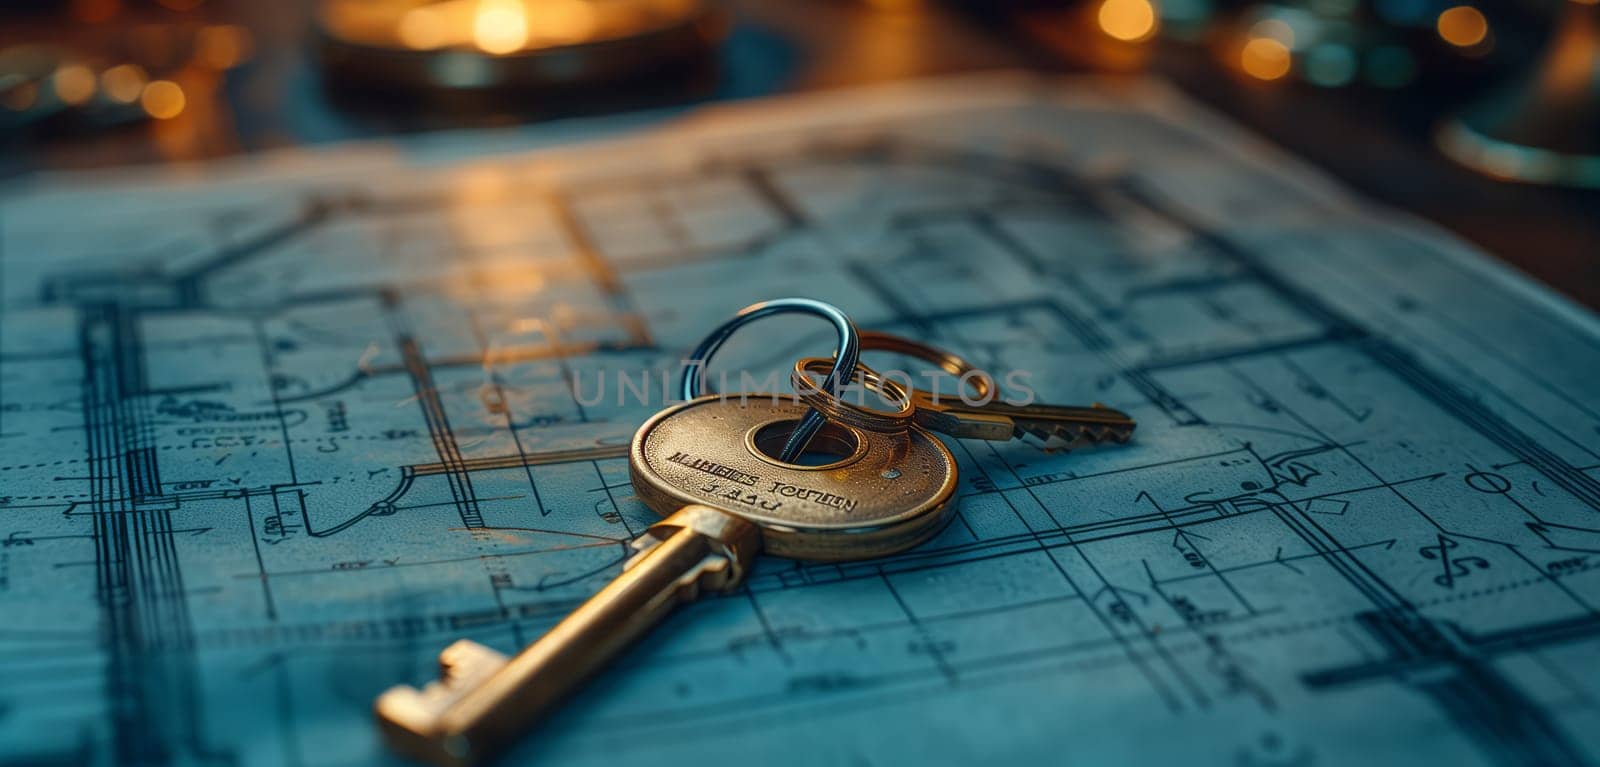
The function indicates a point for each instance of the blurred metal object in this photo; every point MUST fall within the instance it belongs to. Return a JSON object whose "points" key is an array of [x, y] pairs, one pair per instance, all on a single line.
{"points": [[1545, 127], [510, 44]]}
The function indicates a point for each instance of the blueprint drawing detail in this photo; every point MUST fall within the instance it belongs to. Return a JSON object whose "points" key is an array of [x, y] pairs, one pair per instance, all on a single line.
{"points": [[274, 432]]}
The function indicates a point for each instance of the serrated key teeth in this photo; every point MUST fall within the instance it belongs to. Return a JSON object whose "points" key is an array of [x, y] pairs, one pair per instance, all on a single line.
{"points": [[1078, 433], [1102, 434], [1058, 435], [1039, 433], [1074, 435]]}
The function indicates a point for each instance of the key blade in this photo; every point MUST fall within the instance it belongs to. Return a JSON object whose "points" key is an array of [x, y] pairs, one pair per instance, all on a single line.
{"points": [[1093, 414], [1056, 425], [1060, 435], [1073, 427], [964, 422]]}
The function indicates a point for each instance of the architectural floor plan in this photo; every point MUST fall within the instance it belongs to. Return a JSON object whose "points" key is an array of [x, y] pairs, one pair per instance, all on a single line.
{"points": [[274, 432]]}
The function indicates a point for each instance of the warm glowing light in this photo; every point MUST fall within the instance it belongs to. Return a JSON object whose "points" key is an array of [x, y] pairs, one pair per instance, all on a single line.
{"points": [[1265, 58], [162, 99], [1127, 20], [74, 84], [222, 46], [123, 83], [422, 28], [482, 185], [482, 215], [500, 26], [1463, 26], [1274, 29], [564, 21], [510, 282]]}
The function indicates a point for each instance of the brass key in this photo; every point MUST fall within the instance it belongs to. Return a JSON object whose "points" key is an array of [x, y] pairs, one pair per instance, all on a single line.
{"points": [[1057, 426], [705, 465]]}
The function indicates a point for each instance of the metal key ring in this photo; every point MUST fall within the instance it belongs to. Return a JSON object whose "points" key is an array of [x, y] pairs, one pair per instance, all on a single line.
{"points": [[980, 381], [844, 365], [834, 408]]}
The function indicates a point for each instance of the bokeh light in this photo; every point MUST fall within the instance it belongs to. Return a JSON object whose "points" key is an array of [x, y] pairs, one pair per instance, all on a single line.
{"points": [[1331, 65], [1463, 26], [222, 46], [500, 26], [1265, 58], [163, 99], [74, 84], [1127, 20], [563, 21], [1274, 29], [123, 83], [422, 28]]}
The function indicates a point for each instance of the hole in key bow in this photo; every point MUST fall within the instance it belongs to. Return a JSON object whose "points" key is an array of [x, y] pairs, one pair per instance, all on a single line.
{"points": [[834, 445]]}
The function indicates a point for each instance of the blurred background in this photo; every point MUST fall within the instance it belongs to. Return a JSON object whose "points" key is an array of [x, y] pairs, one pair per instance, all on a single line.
{"points": [[1482, 115]]}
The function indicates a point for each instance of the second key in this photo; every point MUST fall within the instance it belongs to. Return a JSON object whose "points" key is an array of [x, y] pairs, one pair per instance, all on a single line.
{"points": [[981, 416]]}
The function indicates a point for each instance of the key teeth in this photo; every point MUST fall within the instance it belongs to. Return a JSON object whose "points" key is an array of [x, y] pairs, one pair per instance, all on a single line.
{"points": [[1069, 436], [1020, 430]]}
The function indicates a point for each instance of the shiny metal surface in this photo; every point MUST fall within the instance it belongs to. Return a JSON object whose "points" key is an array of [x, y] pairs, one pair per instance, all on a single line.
{"points": [[833, 407], [981, 416], [704, 465], [891, 493], [483, 701], [845, 356]]}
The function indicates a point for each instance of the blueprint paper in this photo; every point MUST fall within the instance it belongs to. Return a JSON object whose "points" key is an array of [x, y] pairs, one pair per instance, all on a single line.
{"points": [[276, 431]]}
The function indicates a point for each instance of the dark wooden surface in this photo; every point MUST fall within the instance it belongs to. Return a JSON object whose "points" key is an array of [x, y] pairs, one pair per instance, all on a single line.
{"points": [[1376, 143]]}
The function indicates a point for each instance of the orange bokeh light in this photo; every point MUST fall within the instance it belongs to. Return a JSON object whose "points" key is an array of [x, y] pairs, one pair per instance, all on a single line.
{"points": [[163, 99], [500, 26], [123, 83], [1265, 58], [1463, 26], [74, 84], [1127, 20]]}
